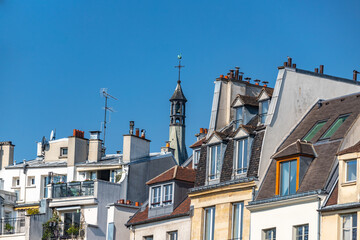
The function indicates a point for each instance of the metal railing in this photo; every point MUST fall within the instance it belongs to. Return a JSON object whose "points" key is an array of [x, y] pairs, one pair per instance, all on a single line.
{"points": [[61, 230], [12, 226], [73, 189]]}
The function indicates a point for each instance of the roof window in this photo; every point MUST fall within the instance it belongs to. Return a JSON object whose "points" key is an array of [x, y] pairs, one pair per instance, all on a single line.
{"points": [[335, 126], [314, 130]]}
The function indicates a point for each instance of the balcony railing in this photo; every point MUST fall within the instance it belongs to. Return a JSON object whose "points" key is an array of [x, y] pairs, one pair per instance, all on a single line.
{"points": [[12, 226], [63, 230], [73, 189]]}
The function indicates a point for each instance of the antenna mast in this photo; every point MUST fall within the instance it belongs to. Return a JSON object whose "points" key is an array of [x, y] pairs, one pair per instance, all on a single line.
{"points": [[106, 95]]}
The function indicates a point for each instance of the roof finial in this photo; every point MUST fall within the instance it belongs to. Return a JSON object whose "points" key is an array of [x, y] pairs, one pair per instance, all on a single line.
{"points": [[179, 66]]}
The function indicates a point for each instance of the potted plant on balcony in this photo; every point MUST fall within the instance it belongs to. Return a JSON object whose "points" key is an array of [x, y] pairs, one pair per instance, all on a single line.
{"points": [[8, 228], [73, 231], [51, 228]]}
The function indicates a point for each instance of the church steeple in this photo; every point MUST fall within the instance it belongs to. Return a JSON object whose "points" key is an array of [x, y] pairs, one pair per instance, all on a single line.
{"points": [[177, 121]]}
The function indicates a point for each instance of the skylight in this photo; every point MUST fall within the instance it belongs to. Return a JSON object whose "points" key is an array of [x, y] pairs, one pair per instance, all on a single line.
{"points": [[314, 130], [335, 126]]}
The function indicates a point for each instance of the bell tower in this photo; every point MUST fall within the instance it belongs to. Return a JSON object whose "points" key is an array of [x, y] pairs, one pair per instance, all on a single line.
{"points": [[177, 121]]}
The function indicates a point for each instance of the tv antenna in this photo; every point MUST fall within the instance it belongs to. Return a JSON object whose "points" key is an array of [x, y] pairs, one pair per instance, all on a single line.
{"points": [[106, 95]]}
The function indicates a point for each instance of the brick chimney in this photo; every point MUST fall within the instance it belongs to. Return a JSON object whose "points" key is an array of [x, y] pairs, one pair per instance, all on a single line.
{"points": [[134, 146], [6, 154], [95, 144]]}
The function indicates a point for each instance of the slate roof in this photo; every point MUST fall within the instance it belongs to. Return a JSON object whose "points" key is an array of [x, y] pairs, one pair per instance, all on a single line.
{"points": [[297, 148], [352, 149], [38, 164], [321, 166], [198, 143], [175, 173], [247, 100], [141, 217], [178, 93]]}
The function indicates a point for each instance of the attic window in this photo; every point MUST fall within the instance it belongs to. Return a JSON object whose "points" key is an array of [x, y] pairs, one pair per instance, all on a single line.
{"points": [[314, 130], [335, 126], [264, 110], [287, 176], [239, 116], [162, 195], [214, 162]]}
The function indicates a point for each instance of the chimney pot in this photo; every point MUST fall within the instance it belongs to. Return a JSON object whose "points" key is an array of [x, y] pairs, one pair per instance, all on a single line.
{"points": [[201, 130], [226, 77], [137, 204], [132, 123], [121, 201], [206, 130], [285, 64], [128, 202], [289, 61], [294, 65], [316, 70], [142, 133], [257, 81], [321, 69], [355, 73], [137, 132], [221, 76]]}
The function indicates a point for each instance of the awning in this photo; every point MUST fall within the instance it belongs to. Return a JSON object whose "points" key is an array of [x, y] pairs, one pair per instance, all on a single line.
{"points": [[62, 209], [27, 207]]}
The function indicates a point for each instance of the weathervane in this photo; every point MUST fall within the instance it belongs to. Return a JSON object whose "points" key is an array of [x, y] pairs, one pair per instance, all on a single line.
{"points": [[179, 66]]}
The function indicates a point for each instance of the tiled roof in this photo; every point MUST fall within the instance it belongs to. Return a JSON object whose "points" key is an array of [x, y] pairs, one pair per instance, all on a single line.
{"points": [[141, 217], [352, 149], [333, 197], [297, 148], [320, 167], [39, 164], [175, 173], [198, 143]]}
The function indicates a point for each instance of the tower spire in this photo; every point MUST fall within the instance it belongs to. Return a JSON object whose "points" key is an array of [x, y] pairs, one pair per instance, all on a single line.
{"points": [[179, 66]]}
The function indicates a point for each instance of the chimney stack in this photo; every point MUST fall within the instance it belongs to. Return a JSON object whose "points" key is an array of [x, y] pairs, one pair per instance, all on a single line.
{"points": [[241, 76], [95, 145], [137, 132], [237, 73], [231, 74], [6, 154], [285, 64], [321, 69], [294, 65], [355, 73]]}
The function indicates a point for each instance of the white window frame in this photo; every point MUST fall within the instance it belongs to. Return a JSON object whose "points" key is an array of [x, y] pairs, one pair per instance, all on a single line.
{"points": [[217, 175], [239, 121], [351, 228], [15, 182], [196, 153], [162, 195], [212, 222], [295, 228], [236, 166], [29, 183], [240, 226], [62, 151], [346, 170], [169, 235], [264, 115], [264, 231]]}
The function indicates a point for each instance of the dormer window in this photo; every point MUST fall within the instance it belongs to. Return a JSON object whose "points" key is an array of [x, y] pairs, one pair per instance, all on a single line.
{"points": [[287, 175], [264, 110], [196, 158], [241, 163], [239, 116], [334, 127], [162, 195], [214, 161]]}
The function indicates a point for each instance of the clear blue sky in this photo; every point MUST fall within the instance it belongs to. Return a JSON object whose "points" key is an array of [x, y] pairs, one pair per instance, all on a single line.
{"points": [[56, 55]]}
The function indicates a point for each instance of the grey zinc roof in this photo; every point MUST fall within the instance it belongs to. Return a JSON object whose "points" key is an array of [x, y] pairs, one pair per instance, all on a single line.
{"points": [[39, 164]]}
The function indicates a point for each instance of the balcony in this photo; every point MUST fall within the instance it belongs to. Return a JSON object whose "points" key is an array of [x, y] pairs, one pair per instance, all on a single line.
{"points": [[61, 230], [73, 189], [12, 226]]}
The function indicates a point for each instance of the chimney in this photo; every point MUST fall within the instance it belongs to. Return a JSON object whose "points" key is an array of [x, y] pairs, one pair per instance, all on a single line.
{"points": [[135, 147], [6, 154], [202, 133], [167, 148], [316, 70], [231, 74], [321, 69], [94, 146], [285, 64], [131, 131], [355, 73], [241, 76], [289, 61], [248, 79], [257, 81], [78, 148], [294, 65], [265, 83], [237, 73]]}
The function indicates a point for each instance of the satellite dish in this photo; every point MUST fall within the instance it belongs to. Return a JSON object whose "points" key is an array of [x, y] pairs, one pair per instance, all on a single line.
{"points": [[52, 135]]}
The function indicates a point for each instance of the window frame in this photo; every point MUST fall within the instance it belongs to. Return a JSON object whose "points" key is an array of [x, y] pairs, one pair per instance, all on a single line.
{"points": [[313, 128], [62, 151], [217, 174], [241, 120], [162, 202], [278, 173], [346, 170], [351, 228], [332, 125], [263, 115], [29, 181], [212, 222], [236, 163], [196, 153], [241, 215], [264, 231], [169, 235], [295, 231], [149, 237]]}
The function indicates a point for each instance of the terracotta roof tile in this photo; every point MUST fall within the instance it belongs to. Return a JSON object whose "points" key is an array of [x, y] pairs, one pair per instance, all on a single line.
{"points": [[198, 143], [177, 173], [333, 197], [352, 149]]}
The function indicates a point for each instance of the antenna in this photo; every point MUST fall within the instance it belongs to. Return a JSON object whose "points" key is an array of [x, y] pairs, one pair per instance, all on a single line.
{"points": [[106, 95]]}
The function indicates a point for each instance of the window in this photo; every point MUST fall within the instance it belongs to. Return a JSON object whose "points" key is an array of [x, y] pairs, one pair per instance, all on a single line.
{"points": [[46, 181], [264, 110], [92, 175], [350, 171], [17, 194], [237, 217], [302, 232], [63, 151], [349, 223], [155, 196], [196, 158], [241, 156], [269, 234], [72, 219], [314, 130], [334, 127], [215, 162], [167, 194], [239, 116], [287, 177], [209, 223], [172, 235], [148, 238], [115, 176], [31, 181], [16, 182]]}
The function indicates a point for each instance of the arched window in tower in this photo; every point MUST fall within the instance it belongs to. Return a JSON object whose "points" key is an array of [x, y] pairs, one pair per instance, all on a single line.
{"points": [[177, 120], [178, 109]]}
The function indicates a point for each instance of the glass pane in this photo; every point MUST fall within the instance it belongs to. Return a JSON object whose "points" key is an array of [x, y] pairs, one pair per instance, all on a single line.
{"points": [[351, 170], [284, 178], [240, 156], [293, 169], [209, 223], [239, 113], [335, 127], [218, 161], [237, 221], [244, 165], [212, 162], [314, 131]]}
